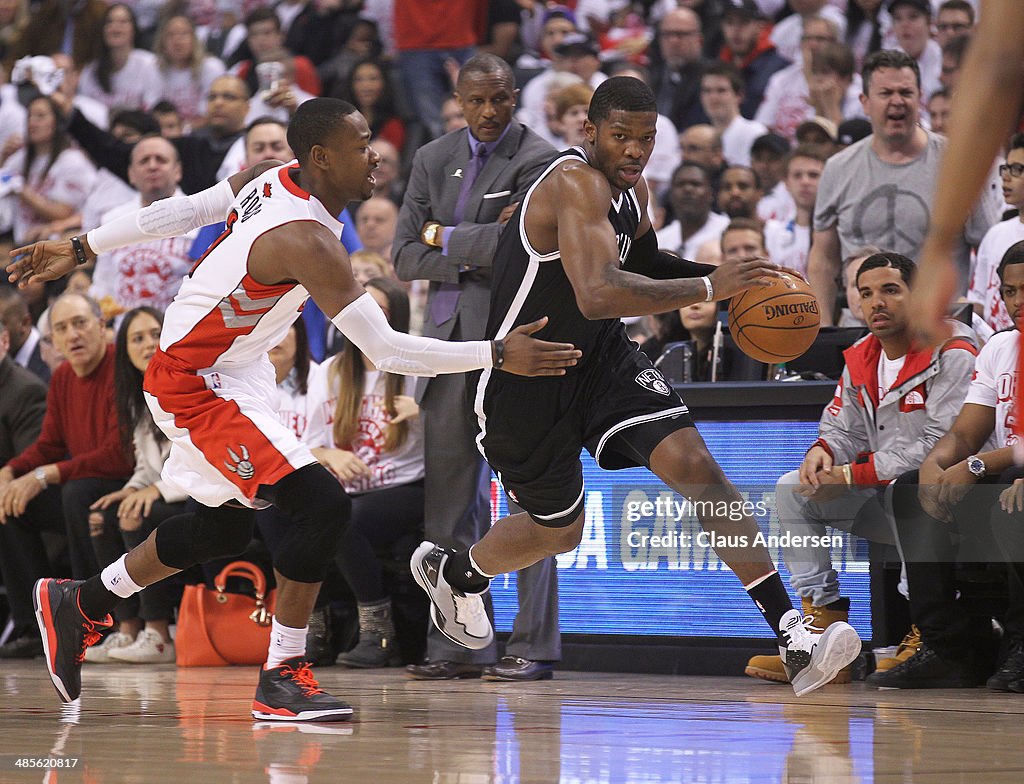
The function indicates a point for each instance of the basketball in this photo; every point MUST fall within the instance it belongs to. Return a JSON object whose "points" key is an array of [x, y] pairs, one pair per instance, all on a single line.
{"points": [[775, 323]]}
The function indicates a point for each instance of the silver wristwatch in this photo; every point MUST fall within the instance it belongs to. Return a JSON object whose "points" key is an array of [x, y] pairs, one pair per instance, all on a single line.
{"points": [[976, 466], [40, 475]]}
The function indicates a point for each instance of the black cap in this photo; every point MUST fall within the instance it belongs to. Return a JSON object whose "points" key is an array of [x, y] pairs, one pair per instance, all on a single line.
{"points": [[770, 143], [748, 9], [577, 43], [854, 130]]}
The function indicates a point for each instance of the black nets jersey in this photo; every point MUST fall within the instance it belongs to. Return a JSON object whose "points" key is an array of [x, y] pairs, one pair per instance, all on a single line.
{"points": [[528, 285]]}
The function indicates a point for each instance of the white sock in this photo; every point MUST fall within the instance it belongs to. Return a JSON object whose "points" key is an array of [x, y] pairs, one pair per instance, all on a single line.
{"points": [[116, 579], [474, 564], [285, 643]]}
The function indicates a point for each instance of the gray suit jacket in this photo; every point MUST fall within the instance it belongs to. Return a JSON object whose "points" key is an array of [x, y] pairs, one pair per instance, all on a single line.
{"points": [[431, 194]]}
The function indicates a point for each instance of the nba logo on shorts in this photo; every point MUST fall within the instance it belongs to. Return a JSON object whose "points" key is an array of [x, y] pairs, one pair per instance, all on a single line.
{"points": [[654, 381]]}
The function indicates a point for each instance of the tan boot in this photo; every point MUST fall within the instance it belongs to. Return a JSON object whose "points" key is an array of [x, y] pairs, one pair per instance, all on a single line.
{"points": [[907, 649], [770, 668]]}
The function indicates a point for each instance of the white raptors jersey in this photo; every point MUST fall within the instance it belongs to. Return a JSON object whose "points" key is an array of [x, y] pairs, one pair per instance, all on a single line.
{"points": [[995, 384], [221, 316]]}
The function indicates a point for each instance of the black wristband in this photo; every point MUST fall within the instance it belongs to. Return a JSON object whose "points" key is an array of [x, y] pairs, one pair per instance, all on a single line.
{"points": [[499, 354], [80, 257]]}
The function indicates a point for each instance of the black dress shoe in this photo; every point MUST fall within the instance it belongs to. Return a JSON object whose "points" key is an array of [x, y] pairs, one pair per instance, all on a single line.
{"points": [[443, 671], [1010, 671], [516, 668], [29, 646], [926, 670]]}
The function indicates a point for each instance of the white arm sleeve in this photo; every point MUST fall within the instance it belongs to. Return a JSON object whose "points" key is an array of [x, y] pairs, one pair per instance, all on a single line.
{"points": [[364, 323], [164, 218]]}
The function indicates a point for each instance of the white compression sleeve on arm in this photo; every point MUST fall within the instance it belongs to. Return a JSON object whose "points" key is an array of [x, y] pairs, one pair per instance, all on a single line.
{"points": [[363, 322], [164, 218]]}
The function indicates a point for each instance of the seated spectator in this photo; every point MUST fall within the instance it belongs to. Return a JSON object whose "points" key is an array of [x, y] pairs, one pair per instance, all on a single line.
{"points": [[768, 159], [743, 238], [22, 406], [953, 54], [739, 192], [367, 265], [172, 124], [748, 46], [791, 33], [949, 507], [451, 115], [121, 76], [292, 367], [787, 100], [953, 18], [938, 107], [145, 501], [818, 132], [551, 131], [789, 243], [576, 55], [852, 315], [77, 453], [108, 190], [364, 427], [57, 178], [702, 144], [694, 223], [23, 339], [148, 273], [376, 223], [868, 28], [266, 42], [985, 289], [721, 91], [387, 182], [540, 34], [912, 28], [893, 403], [678, 64], [187, 72], [571, 105], [362, 43], [369, 90]]}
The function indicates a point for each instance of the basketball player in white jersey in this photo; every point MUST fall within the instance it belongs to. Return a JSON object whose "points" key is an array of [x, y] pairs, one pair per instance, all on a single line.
{"points": [[211, 390]]}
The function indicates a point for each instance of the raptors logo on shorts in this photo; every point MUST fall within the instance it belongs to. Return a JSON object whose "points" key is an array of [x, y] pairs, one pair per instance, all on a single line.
{"points": [[653, 380]]}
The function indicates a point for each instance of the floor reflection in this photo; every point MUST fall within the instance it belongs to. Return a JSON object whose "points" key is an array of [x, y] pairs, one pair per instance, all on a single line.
{"points": [[143, 725]]}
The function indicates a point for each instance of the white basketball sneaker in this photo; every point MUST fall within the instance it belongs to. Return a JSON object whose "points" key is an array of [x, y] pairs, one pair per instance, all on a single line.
{"points": [[459, 616], [149, 648], [813, 657]]}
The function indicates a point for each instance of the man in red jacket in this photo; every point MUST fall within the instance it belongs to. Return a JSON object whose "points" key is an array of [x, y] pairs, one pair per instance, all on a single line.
{"points": [[78, 449]]}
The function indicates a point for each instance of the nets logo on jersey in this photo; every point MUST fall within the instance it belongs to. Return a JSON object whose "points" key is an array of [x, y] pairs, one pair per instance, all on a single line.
{"points": [[653, 380]]}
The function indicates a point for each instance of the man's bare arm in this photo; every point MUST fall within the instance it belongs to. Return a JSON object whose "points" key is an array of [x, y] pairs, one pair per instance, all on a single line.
{"points": [[590, 255], [823, 264]]}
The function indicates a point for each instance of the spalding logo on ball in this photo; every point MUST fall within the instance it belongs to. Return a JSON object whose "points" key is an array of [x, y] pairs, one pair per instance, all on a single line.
{"points": [[775, 323]]}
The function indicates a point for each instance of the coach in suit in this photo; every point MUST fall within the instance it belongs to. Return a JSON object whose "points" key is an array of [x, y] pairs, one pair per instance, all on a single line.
{"points": [[463, 188]]}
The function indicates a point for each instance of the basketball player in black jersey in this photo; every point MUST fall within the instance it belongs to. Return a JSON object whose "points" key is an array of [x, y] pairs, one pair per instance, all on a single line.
{"points": [[580, 249]]}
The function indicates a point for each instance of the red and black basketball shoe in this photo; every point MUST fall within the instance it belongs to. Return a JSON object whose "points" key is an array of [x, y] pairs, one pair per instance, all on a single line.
{"points": [[66, 633], [289, 692]]}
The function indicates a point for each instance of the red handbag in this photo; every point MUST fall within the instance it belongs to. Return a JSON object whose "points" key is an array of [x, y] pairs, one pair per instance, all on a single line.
{"points": [[218, 629]]}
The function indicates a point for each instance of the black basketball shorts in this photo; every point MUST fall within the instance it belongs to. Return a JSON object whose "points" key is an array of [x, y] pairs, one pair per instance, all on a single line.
{"points": [[616, 405]]}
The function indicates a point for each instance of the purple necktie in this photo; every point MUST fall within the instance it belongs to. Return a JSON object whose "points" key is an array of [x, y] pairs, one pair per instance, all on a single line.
{"points": [[446, 298]]}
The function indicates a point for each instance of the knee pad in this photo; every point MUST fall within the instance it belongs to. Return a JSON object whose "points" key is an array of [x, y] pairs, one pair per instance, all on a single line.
{"points": [[318, 511], [194, 538]]}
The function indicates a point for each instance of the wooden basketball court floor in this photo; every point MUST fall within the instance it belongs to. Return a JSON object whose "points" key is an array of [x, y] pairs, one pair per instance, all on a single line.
{"points": [[190, 726]]}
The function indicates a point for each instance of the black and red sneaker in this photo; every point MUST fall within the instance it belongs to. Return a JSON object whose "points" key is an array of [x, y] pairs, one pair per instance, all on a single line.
{"points": [[66, 633], [289, 692]]}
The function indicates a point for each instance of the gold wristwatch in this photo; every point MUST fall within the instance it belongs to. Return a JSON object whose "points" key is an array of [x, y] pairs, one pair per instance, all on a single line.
{"points": [[430, 235]]}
